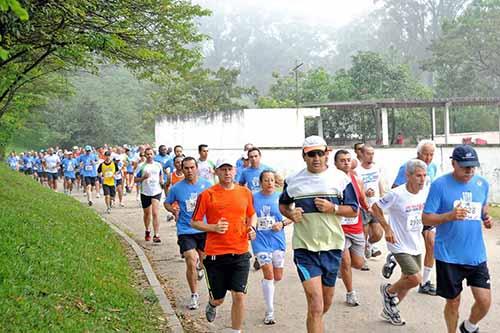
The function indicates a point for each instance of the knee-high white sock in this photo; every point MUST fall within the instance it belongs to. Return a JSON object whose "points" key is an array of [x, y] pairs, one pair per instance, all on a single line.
{"points": [[268, 290], [427, 274]]}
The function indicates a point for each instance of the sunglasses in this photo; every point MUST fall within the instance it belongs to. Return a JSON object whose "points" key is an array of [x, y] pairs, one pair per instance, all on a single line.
{"points": [[314, 153]]}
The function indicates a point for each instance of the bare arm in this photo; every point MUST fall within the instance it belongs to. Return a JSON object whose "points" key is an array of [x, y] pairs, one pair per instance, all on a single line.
{"points": [[458, 213], [172, 209], [379, 216]]}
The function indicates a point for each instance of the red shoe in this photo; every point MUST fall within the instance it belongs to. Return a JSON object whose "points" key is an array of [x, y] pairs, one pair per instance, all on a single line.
{"points": [[147, 237]]}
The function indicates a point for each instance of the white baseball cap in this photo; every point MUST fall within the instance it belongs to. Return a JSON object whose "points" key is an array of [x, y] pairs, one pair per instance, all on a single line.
{"points": [[224, 161], [313, 142]]}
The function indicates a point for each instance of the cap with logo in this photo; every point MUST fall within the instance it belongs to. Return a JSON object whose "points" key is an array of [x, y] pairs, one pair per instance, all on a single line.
{"points": [[88, 148], [465, 156], [313, 142]]}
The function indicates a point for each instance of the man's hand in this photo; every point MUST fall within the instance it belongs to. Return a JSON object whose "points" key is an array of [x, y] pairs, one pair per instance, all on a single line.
{"points": [[296, 214], [176, 212], [370, 192], [389, 236], [324, 205], [458, 213], [487, 221], [251, 233], [222, 226], [277, 226]]}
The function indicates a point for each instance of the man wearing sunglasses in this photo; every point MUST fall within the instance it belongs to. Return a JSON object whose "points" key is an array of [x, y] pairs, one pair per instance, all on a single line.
{"points": [[321, 196]]}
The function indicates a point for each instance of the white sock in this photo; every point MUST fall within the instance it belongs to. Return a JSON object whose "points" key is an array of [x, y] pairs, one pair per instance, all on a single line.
{"points": [[268, 290], [235, 331], [470, 326], [427, 274]]}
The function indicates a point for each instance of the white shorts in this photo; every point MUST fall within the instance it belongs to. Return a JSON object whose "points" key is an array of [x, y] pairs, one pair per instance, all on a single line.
{"points": [[276, 258]]}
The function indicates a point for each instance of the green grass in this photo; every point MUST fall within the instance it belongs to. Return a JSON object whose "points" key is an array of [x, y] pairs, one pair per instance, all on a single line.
{"points": [[62, 269]]}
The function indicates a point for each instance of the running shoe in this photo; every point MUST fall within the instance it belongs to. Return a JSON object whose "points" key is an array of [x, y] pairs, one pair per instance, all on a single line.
{"points": [[464, 330], [210, 312], [147, 236], [388, 301], [121, 204], [427, 288], [108, 210], [394, 318], [352, 298], [90, 203], [375, 251], [390, 264], [365, 267], [97, 195], [199, 271], [195, 302], [368, 251], [269, 319], [156, 239]]}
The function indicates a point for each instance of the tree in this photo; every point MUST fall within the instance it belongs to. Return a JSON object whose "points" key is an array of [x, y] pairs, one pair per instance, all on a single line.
{"points": [[148, 36]]}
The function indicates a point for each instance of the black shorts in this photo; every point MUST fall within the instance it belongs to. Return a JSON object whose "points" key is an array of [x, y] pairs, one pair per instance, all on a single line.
{"points": [[191, 241], [109, 190], [146, 200], [450, 277], [89, 180], [52, 176], [428, 227], [118, 182], [227, 272], [28, 171]]}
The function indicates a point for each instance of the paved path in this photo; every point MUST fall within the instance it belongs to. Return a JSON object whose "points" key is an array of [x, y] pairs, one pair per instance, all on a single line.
{"points": [[422, 313]]}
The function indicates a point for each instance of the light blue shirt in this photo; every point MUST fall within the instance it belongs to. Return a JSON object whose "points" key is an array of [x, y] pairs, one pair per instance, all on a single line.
{"points": [[267, 209], [401, 177]]}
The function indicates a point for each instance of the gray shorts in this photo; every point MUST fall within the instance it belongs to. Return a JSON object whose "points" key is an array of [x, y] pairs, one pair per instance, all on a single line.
{"points": [[355, 243], [367, 217], [409, 264]]}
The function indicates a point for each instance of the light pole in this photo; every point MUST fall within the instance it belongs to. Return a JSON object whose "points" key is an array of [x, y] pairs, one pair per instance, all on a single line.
{"points": [[296, 71]]}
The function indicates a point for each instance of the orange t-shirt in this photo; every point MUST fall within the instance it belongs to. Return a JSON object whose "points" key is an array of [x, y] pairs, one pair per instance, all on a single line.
{"points": [[175, 179], [234, 205]]}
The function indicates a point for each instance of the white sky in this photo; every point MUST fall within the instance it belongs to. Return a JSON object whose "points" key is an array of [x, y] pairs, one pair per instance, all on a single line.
{"points": [[329, 12]]}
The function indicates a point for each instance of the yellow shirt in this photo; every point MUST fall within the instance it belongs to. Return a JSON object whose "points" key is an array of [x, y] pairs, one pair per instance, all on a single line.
{"points": [[108, 172]]}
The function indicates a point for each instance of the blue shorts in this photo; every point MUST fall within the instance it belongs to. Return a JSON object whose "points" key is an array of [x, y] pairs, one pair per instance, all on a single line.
{"points": [[324, 263], [52, 176]]}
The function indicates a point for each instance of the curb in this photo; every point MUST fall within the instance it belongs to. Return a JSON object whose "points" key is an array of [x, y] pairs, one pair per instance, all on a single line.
{"points": [[173, 322]]}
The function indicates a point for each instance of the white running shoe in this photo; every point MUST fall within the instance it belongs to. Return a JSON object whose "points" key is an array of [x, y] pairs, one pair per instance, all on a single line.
{"points": [[269, 319], [97, 195], [351, 298], [195, 302]]}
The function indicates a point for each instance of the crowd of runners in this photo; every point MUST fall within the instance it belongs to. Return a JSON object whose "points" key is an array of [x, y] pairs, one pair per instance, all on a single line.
{"points": [[338, 206]]}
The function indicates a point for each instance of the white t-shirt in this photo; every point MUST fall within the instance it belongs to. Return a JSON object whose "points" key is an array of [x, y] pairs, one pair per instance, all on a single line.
{"points": [[371, 180], [405, 218], [150, 186], [206, 170], [51, 162]]}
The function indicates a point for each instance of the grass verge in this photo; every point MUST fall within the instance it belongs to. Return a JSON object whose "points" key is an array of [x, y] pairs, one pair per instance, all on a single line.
{"points": [[62, 269]]}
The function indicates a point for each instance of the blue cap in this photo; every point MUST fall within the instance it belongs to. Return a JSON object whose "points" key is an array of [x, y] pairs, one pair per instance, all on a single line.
{"points": [[465, 156], [88, 148]]}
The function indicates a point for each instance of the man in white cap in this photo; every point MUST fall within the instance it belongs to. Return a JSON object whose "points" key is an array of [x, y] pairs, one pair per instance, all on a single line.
{"points": [[321, 196], [230, 223]]}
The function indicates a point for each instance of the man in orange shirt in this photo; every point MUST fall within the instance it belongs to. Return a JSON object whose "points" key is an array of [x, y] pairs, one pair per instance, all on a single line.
{"points": [[231, 222]]}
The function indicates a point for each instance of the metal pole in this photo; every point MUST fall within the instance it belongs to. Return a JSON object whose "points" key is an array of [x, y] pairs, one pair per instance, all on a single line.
{"points": [[295, 70]]}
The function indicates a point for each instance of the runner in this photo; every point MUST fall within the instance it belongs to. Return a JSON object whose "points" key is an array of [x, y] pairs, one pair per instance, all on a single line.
{"points": [[250, 176], [240, 162], [150, 177], [88, 168], [425, 153], [353, 255], [270, 244], [177, 175], [373, 188], [107, 169], [191, 241], [321, 195], [403, 234], [119, 177], [206, 168], [51, 162], [163, 159], [78, 178], [230, 222], [12, 161], [129, 168], [28, 162], [458, 206], [356, 161], [69, 165], [177, 152]]}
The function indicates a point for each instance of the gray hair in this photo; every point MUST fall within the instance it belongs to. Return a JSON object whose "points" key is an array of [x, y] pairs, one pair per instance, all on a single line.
{"points": [[422, 143], [414, 164]]}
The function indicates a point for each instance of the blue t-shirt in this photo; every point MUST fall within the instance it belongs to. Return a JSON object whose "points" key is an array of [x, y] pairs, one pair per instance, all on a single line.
{"points": [[250, 177], [459, 242], [69, 166], [164, 161], [28, 162], [268, 213], [89, 165], [37, 164], [185, 195], [401, 177], [12, 162]]}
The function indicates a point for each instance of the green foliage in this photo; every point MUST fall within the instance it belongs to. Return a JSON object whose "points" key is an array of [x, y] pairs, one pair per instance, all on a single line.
{"points": [[200, 91], [62, 269], [467, 56]]}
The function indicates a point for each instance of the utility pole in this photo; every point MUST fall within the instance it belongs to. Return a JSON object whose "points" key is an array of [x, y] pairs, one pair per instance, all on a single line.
{"points": [[296, 71]]}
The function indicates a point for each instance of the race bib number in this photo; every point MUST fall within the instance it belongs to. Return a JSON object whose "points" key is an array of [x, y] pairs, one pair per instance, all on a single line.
{"points": [[414, 221], [70, 167], [265, 222], [349, 220], [474, 209], [28, 165], [191, 203], [51, 165], [108, 174], [89, 168]]}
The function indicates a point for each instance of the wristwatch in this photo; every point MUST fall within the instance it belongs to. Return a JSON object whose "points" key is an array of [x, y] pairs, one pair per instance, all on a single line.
{"points": [[335, 208]]}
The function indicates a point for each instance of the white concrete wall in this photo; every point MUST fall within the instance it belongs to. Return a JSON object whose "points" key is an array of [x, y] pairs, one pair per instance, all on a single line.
{"points": [[231, 130], [456, 138], [287, 161]]}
